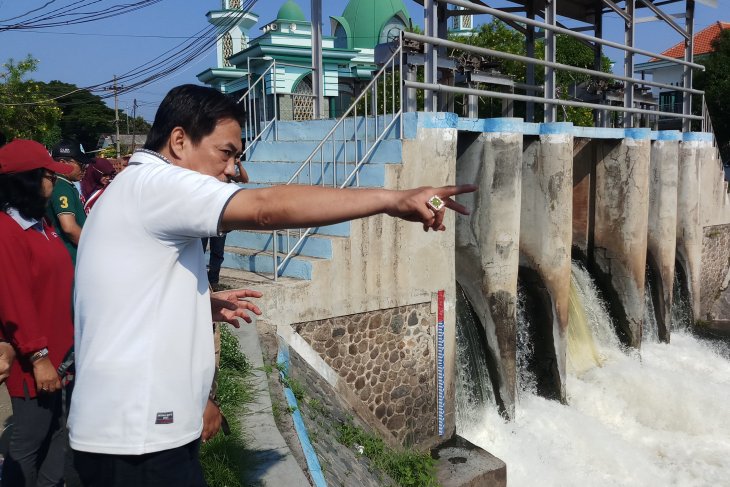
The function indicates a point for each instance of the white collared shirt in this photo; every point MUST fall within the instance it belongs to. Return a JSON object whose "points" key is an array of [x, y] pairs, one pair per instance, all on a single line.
{"points": [[143, 331], [25, 223]]}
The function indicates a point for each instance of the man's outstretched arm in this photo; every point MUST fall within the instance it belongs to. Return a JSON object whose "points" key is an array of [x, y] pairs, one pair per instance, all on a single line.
{"points": [[297, 206]]}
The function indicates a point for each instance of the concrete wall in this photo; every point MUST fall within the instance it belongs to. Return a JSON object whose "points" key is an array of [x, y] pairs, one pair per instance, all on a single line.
{"points": [[692, 153], [487, 244], [621, 225], [715, 277], [546, 230], [584, 179], [385, 263], [662, 235]]}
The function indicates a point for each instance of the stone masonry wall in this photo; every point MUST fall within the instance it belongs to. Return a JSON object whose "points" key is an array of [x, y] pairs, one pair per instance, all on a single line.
{"points": [[715, 264], [388, 359], [341, 466]]}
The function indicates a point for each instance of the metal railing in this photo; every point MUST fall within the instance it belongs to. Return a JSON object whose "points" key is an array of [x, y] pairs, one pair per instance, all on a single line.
{"points": [[707, 127], [550, 98], [380, 102], [260, 116]]}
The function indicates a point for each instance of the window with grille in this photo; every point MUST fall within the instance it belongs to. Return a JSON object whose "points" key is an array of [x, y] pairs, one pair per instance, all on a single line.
{"points": [[227, 48], [303, 100]]}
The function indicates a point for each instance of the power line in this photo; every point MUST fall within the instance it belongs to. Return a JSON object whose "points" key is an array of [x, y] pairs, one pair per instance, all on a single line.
{"points": [[141, 36], [70, 15]]}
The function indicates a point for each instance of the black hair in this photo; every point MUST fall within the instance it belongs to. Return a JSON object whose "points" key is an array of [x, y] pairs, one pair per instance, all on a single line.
{"points": [[22, 191], [197, 109]]}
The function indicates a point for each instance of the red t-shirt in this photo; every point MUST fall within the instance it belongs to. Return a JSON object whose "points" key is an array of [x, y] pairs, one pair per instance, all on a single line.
{"points": [[36, 279]]}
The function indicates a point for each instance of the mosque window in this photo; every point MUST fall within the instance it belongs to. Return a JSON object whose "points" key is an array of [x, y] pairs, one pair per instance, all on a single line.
{"points": [[391, 30], [340, 37], [227, 48], [303, 100]]}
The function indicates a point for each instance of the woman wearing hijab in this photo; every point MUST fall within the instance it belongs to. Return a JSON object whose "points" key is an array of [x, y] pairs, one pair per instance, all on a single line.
{"points": [[97, 178], [35, 313]]}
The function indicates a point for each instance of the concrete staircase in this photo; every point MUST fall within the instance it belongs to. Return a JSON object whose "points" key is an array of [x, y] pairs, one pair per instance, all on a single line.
{"points": [[275, 162]]}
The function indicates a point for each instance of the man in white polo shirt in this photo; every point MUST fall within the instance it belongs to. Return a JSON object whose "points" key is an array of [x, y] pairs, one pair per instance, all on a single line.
{"points": [[143, 336]]}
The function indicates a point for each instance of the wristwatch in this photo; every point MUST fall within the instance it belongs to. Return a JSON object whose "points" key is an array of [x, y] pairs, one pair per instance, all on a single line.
{"points": [[42, 353]]}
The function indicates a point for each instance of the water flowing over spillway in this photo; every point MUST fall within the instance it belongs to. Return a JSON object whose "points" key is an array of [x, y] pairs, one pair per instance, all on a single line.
{"points": [[651, 327], [655, 418]]}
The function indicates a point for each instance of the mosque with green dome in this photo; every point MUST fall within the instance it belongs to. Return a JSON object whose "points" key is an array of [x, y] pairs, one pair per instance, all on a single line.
{"points": [[347, 54]]}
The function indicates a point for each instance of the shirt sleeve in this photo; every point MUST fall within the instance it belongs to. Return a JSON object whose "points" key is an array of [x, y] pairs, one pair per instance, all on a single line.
{"points": [[18, 315], [62, 200], [179, 203]]}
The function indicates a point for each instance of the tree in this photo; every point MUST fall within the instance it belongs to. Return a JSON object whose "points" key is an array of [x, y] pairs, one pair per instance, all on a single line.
{"points": [[85, 115], [25, 112], [498, 36], [716, 84]]}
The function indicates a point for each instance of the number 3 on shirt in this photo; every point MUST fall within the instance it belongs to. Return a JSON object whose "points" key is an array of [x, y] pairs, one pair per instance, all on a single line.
{"points": [[64, 201]]}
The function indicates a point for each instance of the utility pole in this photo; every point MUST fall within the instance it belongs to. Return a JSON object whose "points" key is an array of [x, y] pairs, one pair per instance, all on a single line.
{"points": [[115, 88], [134, 123], [116, 112]]}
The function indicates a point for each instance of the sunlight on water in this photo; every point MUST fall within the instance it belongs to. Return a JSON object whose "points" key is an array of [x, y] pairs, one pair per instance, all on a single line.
{"points": [[659, 420], [582, 351]]}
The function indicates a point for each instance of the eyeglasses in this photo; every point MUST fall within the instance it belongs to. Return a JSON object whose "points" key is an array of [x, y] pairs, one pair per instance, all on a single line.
{"points": [[52, 177]]}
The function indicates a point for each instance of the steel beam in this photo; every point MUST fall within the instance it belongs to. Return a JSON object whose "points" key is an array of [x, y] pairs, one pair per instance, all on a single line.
{"points": [[317, 66], [689, 58], [551, 113], [665, 17], [629, 30]]}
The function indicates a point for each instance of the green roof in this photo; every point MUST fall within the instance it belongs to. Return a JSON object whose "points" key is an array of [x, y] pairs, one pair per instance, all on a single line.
{"points": [[363, 20], [291, 11]]}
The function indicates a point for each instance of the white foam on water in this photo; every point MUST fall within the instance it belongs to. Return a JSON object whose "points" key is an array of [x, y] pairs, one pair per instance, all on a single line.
{"points": [[660, 417], [661, 421]]}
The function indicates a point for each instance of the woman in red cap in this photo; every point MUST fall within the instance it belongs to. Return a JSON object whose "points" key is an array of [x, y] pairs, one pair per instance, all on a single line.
{"points": [[35, 313]]}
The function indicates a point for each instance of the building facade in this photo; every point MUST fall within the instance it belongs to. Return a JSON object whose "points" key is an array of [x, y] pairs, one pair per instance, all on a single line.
{"points": [[286, 43]]}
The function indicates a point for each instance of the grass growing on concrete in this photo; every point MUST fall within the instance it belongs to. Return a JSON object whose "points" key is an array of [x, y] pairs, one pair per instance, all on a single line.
{"points": [[408, 468], [225, 458]]}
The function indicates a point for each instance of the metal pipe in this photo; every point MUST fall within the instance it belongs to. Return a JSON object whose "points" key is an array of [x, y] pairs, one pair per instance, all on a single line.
{"points": [[569, 103], [551, 114], [689, 57], [562, 30], [539, 62], [629, 60]]}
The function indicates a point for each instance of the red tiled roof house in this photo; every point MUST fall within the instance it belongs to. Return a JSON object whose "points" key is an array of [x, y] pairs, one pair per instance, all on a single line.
{"points": [[669, 73]]}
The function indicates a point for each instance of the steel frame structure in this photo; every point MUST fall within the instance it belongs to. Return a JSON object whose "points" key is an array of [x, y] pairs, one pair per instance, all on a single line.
{"points": [[524, 17]]}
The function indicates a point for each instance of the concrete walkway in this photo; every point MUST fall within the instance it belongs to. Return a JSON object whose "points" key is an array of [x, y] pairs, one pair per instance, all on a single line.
{"points": [[275, 464]]}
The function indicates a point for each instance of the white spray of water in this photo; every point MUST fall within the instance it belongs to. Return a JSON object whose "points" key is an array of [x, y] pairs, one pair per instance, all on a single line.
{"points": [[651, 327], [472, 374], [658, 420]]}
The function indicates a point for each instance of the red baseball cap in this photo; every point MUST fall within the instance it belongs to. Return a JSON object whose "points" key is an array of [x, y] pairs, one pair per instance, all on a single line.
{"points": [[26, 155]]}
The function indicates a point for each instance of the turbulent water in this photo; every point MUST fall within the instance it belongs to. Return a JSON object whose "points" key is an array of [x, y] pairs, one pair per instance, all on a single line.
{"points": [[658, 419], [651, 327]]}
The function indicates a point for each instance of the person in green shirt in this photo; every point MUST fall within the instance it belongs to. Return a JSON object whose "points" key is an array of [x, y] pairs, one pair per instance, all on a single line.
{"points": [[66, 208]]}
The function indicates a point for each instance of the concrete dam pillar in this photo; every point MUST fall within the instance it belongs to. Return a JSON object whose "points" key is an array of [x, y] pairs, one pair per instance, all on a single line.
{"points": [[693, 150], [487, 242], [621, 227], [545, 246], [661, 244]]}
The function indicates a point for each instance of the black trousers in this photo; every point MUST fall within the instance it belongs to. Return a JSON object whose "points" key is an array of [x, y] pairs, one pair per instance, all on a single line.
{"points": [[177, 467], [217, 248], [37, 443]]}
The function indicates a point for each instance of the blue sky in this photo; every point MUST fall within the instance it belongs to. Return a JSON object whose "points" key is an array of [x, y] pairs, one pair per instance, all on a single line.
{"points": [[93, 53]]}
